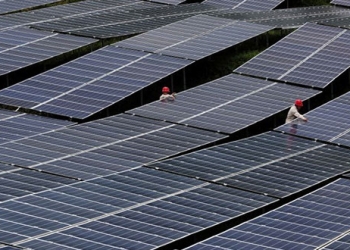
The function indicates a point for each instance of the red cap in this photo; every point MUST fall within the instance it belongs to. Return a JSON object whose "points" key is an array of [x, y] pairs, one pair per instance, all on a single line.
{"points": [[298, 103]]}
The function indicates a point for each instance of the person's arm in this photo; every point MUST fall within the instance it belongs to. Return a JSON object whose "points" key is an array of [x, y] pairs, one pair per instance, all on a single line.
{"points": [[300, 116]]}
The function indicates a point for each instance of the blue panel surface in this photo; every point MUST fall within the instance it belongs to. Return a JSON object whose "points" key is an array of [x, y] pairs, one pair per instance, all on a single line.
{"points": [[247, 5], [228, 104], [306, 223], [22, 47], [161, 221], [7, 6], [195, 37], [329, 122], [87, 85], [309, 56]]}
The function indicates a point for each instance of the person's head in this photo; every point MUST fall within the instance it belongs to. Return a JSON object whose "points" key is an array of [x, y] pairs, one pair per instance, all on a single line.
{"points": [[298, 103], [165, 90]]}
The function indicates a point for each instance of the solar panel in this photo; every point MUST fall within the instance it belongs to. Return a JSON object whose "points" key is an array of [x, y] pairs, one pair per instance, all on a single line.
{"points": [[89, 84], [7, 6], [54, 13], [173, 2], [22, 47], [195, 37], [341, 2], [270, 163], [103, 147], [329, 122], [159, 217], [120, 22], [309, 56], [245, 5], [337, 21], [313, 221], [15, 126], [69, 205], [228, 104], [15, 182], [287, 18]]}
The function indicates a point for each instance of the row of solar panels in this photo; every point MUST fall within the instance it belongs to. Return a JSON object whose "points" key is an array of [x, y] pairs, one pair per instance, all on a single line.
{"points": [[145, 208], [94, 82]]}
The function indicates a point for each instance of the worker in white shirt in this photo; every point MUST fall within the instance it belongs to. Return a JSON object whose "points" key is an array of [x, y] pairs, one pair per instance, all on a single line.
{"points": [[293, 112], [165, 97]]}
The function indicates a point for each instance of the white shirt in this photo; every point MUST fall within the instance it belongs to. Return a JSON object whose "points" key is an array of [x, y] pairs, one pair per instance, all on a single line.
{"points": [[293, 113], [167, 97]]}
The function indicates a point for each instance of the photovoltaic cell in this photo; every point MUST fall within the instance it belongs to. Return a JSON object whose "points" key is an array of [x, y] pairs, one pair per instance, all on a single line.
{"points": [[309, 56], [329, 122], [57, 12], [228, 104], [16, 182], [7, 6], [161, 221], [195, 37], [15, 126], [125, 21], [271, 163], [173, 2], [341, 2], [22, 47], [245, 5], [103, 147], [288, 18], [79, 203], [310, 222], [91, 83]]}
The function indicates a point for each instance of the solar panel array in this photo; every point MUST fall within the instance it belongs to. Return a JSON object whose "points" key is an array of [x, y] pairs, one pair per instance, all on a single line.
{"points": [[245, 5], [105, 146], [139, 209], [227, 104], [15, 126], [309, 56], [7, 6], [287, 18], [121, 22], [23, 47], [314, 221], [272, 164], [16, 182], [195, 37], [173, 2], [341, 2], [91, 83], [329, 122], [64, 10]]}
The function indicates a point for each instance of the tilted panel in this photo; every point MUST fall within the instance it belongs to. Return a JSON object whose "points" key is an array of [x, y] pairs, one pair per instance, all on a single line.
{"points": [[15, 126], [122, 21], [315, 221], [228, 104], [329, 122], [91, 83], [104, 147], [22, 47], [305, 57], [271, 163], [76, 204], [341, 2], [7, 6], [161, 221], [245, 5], [195, 37]]}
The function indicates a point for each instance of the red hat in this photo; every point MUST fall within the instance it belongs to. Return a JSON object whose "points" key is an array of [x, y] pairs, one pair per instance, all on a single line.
{"points": [[298, 103], [165, 90]]}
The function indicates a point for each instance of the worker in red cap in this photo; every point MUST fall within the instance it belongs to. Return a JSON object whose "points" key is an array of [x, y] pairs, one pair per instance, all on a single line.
{"points": [[165, 97], [293, 112]]}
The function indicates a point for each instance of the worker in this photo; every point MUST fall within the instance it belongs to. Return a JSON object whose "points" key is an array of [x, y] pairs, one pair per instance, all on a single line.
{"points": [[294, 111], [165, 97]]}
